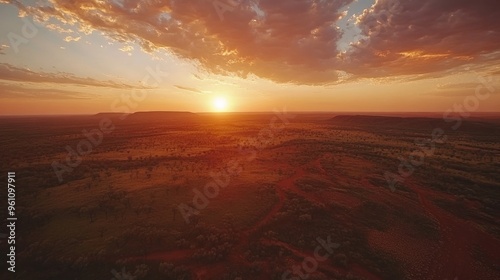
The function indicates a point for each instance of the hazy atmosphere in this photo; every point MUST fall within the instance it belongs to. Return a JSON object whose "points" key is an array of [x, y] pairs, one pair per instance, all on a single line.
{"points": [[250, 139], [65, 57]]}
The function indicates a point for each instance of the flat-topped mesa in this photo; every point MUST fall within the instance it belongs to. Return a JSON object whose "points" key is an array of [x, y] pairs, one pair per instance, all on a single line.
{"points": [[163, 116], [151, 116], [109, 114], [413, 123], [367, 120]]}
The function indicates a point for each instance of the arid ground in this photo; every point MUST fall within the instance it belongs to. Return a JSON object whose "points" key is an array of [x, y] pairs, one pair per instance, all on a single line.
{"points": [[168, 195]]}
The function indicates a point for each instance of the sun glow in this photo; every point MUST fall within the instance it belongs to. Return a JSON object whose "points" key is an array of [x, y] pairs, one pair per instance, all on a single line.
{"points": [[220, 104]]}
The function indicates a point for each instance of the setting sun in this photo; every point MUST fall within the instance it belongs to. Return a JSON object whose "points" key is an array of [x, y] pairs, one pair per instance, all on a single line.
{"points": [[220, 104]]}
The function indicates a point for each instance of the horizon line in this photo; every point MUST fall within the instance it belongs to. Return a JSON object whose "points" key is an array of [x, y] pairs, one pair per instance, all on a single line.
{"points": [[242, 112]]}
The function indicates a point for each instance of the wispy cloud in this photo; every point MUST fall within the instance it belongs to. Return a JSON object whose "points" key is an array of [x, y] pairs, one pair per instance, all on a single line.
{"points": [[58, 28], [458, 86], [72, 39], [457, 89], [12, 73], [126, 48], [9, 90], [189, 89], [3, 48]]}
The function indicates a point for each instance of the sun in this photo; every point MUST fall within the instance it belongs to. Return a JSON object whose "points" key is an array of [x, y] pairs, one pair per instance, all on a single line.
{"points": [[220, 104]]}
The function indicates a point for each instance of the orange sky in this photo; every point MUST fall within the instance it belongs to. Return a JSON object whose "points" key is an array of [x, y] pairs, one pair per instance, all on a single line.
{"points": [[80, 57]]}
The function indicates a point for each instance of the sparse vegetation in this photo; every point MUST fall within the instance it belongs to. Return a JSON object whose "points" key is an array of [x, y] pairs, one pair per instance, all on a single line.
{"points": [[119, 207]]}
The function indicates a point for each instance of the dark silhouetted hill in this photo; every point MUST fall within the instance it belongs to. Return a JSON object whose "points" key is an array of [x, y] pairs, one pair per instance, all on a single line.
{"points": [[164, 117], [414, 123]]}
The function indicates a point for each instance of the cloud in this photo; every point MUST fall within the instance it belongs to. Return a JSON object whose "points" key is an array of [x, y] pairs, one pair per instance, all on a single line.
{"points": [[189, 89], [74, 39], [296, 41], [458, 86], [8, 90], [126, 48], [3, 48], [462, 89], [12, 73], [450, 92], [284, 41], [406, 37], [58, 28], [495, 72]]}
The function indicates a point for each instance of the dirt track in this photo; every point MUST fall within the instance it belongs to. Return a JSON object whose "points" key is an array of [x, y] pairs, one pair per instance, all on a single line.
{"points": [[457, 236]]}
